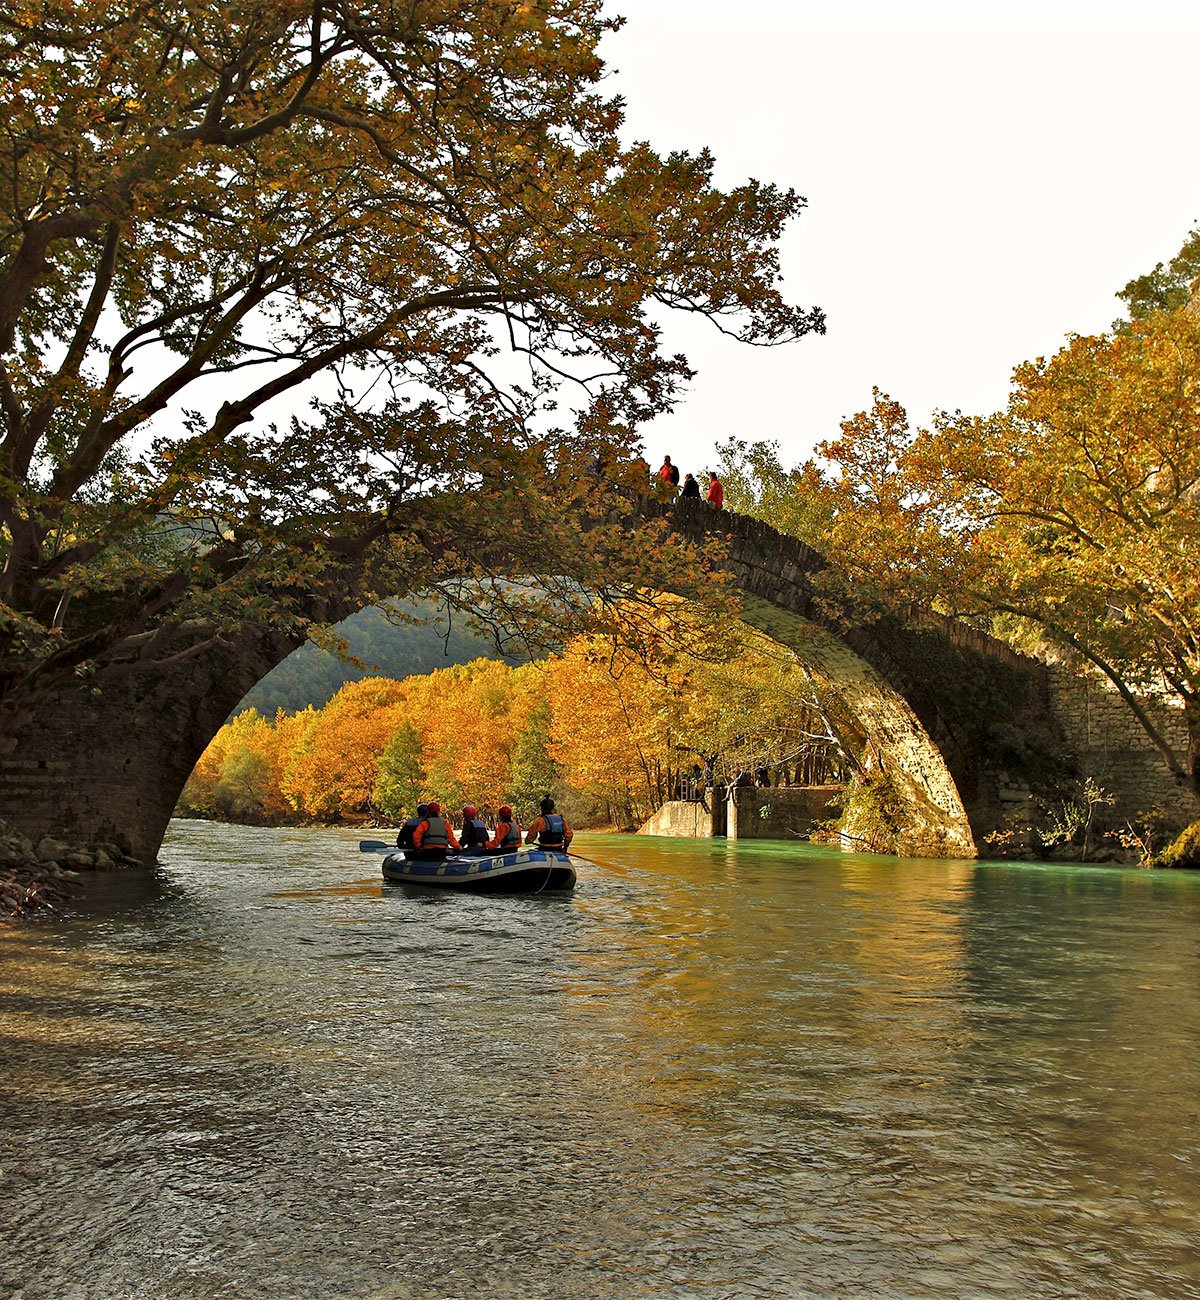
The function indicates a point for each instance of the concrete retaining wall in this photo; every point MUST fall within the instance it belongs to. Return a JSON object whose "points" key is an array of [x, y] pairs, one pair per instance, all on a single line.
{"points": [[779, 813], [681, 818], [769, 813]]}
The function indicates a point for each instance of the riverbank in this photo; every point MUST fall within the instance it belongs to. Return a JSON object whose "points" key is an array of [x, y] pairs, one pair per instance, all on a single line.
{"points": [[40, 880]]}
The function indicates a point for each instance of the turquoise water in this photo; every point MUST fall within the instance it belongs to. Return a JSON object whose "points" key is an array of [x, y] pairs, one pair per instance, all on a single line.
{"points": [[744, 1070]]}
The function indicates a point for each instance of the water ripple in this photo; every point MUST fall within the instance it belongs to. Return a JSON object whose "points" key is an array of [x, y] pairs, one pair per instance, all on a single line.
{"points": [[715, 1071]]}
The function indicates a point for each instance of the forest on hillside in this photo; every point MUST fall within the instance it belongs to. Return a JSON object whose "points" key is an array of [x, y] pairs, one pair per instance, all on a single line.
{"points": [[401, 639]]}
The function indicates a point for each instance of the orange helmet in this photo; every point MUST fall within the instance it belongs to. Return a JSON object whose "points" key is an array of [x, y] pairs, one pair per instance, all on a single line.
{"points": [[434, 809], [505, 813]]}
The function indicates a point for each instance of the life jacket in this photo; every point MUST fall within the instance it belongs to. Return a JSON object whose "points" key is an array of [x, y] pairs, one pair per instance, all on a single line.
{"points": [[512, 837], [474, 833], [404, 840], [552, 836], [437, 834]]}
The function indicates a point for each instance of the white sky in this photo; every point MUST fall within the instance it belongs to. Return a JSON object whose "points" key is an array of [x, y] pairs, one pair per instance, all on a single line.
{"points": [[982, 178]]}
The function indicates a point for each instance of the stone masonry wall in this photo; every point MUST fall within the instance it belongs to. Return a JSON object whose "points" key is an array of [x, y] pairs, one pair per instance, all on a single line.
{"points": [[110, 768], [1114, 750]]}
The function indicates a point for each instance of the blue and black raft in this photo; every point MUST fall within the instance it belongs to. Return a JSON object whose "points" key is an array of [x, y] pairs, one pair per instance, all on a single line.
{"points": [[525, 871]]}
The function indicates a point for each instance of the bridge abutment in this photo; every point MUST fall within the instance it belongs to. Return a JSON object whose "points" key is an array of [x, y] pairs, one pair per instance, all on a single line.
{"points": [[107, 766]]}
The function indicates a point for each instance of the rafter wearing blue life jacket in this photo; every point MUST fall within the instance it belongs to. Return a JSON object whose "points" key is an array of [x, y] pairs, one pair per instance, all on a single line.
{"points": [[404, 840], [551, 830]]}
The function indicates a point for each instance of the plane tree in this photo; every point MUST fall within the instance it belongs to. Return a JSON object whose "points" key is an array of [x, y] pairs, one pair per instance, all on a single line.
{"points": [[1070, 521], [287, 286]]}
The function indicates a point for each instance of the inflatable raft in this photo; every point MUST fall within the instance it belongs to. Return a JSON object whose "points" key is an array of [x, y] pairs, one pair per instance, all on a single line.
{"points": [[527, 871]]}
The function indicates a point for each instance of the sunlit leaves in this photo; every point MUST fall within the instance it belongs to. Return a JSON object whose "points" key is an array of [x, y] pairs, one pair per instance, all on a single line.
{"points": [[1072, 519], [424, 215]]}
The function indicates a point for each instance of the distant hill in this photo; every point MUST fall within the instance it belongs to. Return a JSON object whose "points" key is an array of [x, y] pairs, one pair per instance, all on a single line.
{"points": [[313, 676]]}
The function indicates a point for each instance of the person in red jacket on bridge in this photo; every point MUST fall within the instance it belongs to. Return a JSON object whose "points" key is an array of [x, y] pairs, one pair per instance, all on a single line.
{"points": [[716, 493]]}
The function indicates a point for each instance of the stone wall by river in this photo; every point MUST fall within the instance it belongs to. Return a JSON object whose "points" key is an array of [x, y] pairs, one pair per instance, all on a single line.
{"points": [[1114, 749]]}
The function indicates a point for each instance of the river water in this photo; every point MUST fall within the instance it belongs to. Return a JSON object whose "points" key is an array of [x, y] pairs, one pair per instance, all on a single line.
{"points": [[713, 1071]]}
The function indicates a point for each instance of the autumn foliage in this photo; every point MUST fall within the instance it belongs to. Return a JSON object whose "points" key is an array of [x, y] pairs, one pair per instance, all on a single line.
{"points": [[1068, 523], [285, 286], [609, 731]]}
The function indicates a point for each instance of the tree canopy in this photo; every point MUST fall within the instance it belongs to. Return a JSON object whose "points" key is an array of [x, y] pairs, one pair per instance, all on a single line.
{"points": [[1166, 288], [419, 218], [1070, 519]]}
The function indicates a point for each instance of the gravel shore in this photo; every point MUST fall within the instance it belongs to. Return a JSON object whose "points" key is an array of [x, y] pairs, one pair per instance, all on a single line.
{"points": [[40, 880]]}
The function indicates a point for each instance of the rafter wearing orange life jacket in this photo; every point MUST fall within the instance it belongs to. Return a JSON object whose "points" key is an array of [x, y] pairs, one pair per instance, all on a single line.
{"points": [[508, 832], [434, 835]]}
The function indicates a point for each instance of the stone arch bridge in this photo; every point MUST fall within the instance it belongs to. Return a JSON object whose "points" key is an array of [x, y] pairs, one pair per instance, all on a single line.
{"points": [[955, 720]]}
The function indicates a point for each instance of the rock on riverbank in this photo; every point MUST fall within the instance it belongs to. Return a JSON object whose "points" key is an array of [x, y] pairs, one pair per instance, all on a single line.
{"points": [[41, 879]]}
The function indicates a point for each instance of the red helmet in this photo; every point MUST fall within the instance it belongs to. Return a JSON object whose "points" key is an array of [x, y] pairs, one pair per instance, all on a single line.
{"points": [[434, 809], [469, 810], [505, 813]]}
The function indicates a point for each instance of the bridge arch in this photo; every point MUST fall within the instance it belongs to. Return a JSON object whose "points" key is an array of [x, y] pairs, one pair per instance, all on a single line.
{"points": [[956, 720], [878, 725], [924, 702]]}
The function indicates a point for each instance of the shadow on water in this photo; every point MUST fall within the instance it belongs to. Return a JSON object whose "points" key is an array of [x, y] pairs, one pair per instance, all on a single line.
{"points": [[725, 1070]]}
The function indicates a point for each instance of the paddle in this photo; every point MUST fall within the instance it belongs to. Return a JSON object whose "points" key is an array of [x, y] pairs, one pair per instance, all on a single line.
{"points": [[375, 846]]}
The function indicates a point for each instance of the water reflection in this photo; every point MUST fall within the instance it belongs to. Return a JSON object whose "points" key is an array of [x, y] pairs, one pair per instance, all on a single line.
{"points": [[715, 1070]]}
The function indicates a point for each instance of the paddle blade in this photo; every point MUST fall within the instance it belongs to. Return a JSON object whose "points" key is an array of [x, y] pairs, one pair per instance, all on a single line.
{"points": [[375, 846]]}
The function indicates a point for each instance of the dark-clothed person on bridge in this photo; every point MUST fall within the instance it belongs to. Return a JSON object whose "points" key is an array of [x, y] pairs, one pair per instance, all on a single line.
{"points": [[434, 837], [690, 487], [551, 830], [404, 840]]}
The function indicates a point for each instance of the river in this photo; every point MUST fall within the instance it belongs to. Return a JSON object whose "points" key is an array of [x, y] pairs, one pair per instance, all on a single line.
{"points": [[712, 1071]]}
